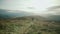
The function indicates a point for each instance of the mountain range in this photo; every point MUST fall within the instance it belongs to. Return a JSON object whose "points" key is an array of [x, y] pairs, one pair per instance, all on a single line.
{"points": [[14, 13], [6, 14]]}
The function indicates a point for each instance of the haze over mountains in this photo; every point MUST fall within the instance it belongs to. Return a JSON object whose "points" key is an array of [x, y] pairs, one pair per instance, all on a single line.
{"points": [[16, 13], [54, 13], [13, 13]]}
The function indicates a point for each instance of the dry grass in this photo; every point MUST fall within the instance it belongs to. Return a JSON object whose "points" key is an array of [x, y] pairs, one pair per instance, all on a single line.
{"points": [[29, 26]]}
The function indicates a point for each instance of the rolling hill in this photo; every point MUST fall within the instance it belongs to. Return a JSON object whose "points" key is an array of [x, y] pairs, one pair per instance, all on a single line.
{"points": [[29, 25]]}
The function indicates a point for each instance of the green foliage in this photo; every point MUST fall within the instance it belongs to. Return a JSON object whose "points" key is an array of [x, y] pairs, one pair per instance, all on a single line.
{"points": [[9, 28]]}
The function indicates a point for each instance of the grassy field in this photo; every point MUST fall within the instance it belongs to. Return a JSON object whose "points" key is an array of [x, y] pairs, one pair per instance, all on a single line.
{"points": [[29, 25]]}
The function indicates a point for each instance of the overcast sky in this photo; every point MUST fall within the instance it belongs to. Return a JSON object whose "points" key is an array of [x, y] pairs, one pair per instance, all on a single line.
{"points": [[36, 6]]}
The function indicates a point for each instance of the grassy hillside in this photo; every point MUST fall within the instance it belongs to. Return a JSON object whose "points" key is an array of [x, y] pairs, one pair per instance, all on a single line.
{"points": [[29, 25]]}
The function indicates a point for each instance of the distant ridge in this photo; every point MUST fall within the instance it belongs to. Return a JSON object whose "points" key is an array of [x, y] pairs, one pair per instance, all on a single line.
{"points": [[5, 14]]}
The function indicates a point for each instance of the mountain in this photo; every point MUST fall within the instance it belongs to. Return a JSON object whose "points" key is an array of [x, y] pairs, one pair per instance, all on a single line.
{"points": [[54, 17], [32, 17], [13, 13]]}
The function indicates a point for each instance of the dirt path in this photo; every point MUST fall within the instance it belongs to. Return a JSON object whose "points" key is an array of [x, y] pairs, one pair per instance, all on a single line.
{"points": [[24, 28]]}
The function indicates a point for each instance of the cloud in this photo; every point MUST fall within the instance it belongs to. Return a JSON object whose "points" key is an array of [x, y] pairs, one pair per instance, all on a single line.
{"points": [[54, 10], [30, 7]]}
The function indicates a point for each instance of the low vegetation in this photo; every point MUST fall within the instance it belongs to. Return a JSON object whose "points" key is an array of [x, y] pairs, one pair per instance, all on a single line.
{"points": [[29, 25]]}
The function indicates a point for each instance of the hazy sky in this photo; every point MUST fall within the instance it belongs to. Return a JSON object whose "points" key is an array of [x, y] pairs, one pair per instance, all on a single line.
{"points": [[28, 5]]}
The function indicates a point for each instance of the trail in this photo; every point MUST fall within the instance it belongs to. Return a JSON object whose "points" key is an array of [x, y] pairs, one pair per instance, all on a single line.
{"points": [[24, 28]]}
